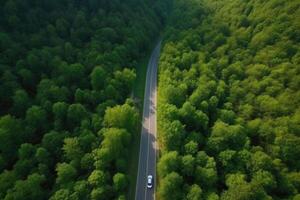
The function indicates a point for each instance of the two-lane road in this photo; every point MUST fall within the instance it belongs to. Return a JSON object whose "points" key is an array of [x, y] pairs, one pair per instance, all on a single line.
{"points": [[148, 146]]}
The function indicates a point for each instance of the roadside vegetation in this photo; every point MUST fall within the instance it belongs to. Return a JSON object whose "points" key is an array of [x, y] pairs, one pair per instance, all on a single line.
{"points": [[229, 99], [67, 70]]}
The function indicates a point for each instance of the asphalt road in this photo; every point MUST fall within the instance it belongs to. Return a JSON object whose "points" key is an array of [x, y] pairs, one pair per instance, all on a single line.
{"points": [[148, 146]]}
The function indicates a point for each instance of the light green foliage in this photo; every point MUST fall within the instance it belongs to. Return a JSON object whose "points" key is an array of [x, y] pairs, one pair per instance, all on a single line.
{"points": [[65, 173], [224, 136], [229, 76], [120, 182], [264, 179], [172, 135], [124, 116], [195, 193], [188, 165], [169, 162], [72, 149], [63, 194], [191, 147], [171, 187], [97, 178], [115, 140]]}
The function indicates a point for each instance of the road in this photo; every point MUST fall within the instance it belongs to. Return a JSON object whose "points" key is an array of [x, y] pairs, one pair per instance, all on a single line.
{"points": [[148, 145]]}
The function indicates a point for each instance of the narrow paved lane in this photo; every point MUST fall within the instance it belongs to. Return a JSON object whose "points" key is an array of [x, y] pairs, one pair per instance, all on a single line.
{"points": [[148, 146]]}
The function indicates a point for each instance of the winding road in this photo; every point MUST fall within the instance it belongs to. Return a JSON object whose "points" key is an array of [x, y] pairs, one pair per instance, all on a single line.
{"points": [[148, 145]]}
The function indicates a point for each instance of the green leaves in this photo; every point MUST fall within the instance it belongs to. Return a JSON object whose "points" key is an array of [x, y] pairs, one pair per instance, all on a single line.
{"points": [[124, 116], [97, 178], [65, 173], [169, 162], [31, 188], [98, 78], [171, 187], [225, 136], [228, 100], [120, 182]]}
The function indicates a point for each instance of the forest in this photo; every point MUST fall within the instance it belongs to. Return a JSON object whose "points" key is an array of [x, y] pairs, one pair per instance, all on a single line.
{"points": [[229, 101], [228, 98], [67, 68]]}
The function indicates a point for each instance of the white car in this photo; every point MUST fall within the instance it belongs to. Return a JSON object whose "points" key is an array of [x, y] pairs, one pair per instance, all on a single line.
{"points": [[149, 181]]}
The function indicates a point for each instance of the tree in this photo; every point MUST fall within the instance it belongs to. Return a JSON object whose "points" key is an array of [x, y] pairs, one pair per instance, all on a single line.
{"points": [[47, 90], [124, 81], [264, 179], [98, 78], [61, 194], [81, 189], [195, 193], [43, 156], [227, 116], [261, 161], [76, 113], [31, 188], [7, 180], [171, 186], [226, 136], [65, 173], [10, 129], [194, 119], [87, 161], [206, 177], [116, 140], [169, 162], [26, 151], [188, 165], [289, 149], [174, 95], [101, 193], [244, 191], [53, 142], [120, 182], [172, 135], [59, 110], [2, 163], [124, 116], [72, 73], [97, 178], [72, 149], [62, 26], [191, 148], [229, 161], [36, 118], [21, 102]]}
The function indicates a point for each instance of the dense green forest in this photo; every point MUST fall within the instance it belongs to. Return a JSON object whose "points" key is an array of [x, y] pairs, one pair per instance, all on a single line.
{"points": [[229, 101], [66, 73]]}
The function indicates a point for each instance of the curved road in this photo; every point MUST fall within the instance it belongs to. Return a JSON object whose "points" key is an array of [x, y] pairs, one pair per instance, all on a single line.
{"points": [[148, 146]]}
